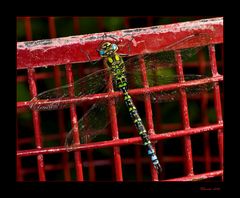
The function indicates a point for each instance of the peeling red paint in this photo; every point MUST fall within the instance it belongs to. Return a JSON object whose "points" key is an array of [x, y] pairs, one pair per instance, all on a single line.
{"points": [[145, 40]]}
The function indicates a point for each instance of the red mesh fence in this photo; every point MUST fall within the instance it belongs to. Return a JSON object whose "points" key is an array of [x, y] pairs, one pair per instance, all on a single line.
{"points": [[189, 144]]}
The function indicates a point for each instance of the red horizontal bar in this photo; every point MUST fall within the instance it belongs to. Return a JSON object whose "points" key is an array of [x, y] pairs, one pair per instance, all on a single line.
{"points": [[145, 40], [119, 142], [125, 161], [103, 96], [198, 177], [43, 75], [52, 137]]}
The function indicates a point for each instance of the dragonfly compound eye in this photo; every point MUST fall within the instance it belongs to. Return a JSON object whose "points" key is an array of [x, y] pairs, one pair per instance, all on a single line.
{"points": [[114, 47], [101, 52]]}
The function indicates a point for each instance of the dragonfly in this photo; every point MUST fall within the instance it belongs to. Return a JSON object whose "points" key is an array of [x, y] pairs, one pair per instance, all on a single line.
{"points": [[121, 72]]}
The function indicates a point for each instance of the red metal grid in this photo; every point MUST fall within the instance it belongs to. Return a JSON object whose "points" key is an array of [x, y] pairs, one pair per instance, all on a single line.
{"points": [[67, 51]]}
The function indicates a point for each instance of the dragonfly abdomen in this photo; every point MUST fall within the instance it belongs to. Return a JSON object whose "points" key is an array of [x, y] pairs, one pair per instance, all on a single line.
{"points": [[116, 64], [141, 129]]}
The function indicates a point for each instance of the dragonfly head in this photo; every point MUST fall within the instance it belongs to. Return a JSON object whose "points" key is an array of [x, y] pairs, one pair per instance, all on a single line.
{"points": [[107, 49]]}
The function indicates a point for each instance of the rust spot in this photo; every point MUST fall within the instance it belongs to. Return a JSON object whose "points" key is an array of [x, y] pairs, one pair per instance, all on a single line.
{"points": [[204, 20], [154, 27], [92, 38], [20, 46], [130, 31], [38, 42]]}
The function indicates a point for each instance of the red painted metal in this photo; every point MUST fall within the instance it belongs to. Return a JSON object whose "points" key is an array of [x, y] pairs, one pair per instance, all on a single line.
{"points": [[138, 161], [185, 118], [217, 101], [68, 50], [100, 23], [57, 80], [148, 109], [27, 21], [76, 26], [19, 162], [36, 124], [200, 177], [96, 97], [204, 116], [52, 29], [120, 142], [74, 121], [115, 134], [99, 163]]}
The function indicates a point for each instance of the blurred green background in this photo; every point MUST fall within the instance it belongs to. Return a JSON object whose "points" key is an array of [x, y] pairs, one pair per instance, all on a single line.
{"points": [[68, 26]]}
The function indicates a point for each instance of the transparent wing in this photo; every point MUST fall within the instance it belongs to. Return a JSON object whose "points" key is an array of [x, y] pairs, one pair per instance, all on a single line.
{"points": [[92, 124], [174, 94], [166, 58], [57, 98], [156, 76], [160, 69]]}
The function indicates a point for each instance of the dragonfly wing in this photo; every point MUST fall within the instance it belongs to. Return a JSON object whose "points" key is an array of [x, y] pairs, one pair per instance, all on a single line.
{"points": [[166, 57], [160, 67], [57, 98], [92, 124], [196, 40], [173, 94]]}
